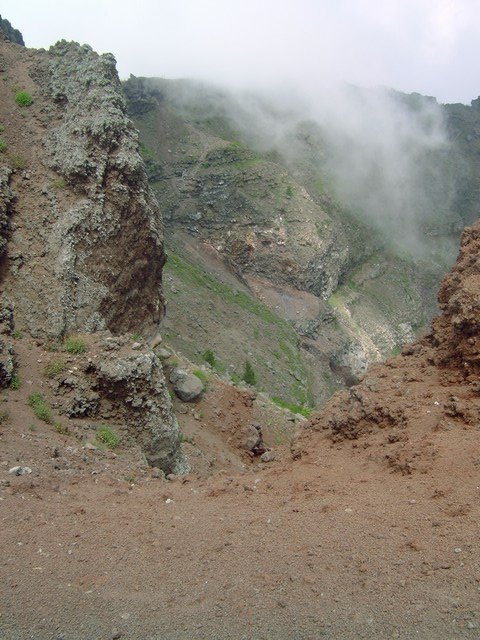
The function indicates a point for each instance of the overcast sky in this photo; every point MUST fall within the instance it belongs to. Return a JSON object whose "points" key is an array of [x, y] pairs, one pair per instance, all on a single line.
{"points": [[429, 46]]}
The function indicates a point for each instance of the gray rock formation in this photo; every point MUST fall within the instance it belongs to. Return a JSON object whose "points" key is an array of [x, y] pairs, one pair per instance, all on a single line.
{"points": [[6, 363], [134, 386], [6, 200], [186, 385], [96, 220], [81, 241]]}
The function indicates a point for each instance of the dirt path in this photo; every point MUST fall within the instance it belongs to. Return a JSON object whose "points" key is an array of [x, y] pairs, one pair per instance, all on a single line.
{"points": [[332, 546]]}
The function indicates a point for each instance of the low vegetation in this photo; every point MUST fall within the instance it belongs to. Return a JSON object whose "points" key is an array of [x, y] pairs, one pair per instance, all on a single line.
{"points": [[75, 345], [15, 382], [202, 376], [3, 145], [40, 408], [108, 437], [54, 368], [294, 408], [23, 99]]}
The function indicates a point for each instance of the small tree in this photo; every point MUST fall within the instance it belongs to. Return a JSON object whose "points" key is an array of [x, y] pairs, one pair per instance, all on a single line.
{"points": [[249, 374]]}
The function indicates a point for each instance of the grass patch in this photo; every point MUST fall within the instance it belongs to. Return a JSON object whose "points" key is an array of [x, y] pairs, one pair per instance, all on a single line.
{"points": [[18, 161], [15, 382], [202, 376], [61, 429], [75, 345], [59, 183], [40, 407], [109, 438], [294, 408], [184, 438], [194, 275], [23, 99], [3, 145], [54, 368]]}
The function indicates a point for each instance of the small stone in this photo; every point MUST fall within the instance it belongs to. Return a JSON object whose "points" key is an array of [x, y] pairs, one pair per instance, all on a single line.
{"points": [[19, 471], [268, 456], [116, 634], [457, 550], [90, 446], [171, 477], [136, 345], [168, 501], [157, 473], [155, 341]]}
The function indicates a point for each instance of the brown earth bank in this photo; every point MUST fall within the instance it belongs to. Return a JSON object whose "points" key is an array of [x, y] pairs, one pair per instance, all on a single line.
{"points": [[372, 532]]}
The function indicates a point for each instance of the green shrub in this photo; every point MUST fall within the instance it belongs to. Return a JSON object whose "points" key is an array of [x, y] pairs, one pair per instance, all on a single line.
{"points": [[74, 345], [289, 191], [3, 145], [249, 374], [17, 334], [53, 368], [18, 161], [40, 407], [59, 183], [15, 382], [136, 337], [61, 428], [209, 357], [294, 408], [202, 376], [23, 99], [109, 438]]}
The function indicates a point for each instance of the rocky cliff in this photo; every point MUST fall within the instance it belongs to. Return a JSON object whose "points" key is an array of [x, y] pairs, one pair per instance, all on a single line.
{"points": [[406, 410], [244, 218], [85, 238], [10, 32], [81, 242]]}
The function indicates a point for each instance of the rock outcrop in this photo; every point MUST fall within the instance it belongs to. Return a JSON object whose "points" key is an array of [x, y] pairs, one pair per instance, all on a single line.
{"points": [[10, 32], [87, 234], [81, 244], [402, 407]]}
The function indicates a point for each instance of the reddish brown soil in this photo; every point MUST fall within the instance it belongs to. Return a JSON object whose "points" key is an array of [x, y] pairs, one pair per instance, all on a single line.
{"points": [[372, 532]]}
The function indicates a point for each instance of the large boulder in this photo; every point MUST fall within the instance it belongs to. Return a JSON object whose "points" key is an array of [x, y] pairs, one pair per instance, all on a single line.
{"points": [[186, 385]]}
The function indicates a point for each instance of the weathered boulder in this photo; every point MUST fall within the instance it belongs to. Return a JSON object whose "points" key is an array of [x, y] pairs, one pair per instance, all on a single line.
{"points": [[186, 385], [134, 386], [7, 364]]}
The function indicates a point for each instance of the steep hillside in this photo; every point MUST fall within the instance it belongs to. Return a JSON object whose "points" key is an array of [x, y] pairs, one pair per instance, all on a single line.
{"points": [[243, 213]]}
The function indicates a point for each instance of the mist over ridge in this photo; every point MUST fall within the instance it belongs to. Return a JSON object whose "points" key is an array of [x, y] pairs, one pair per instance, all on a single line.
{"points": [[386, 156]]}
